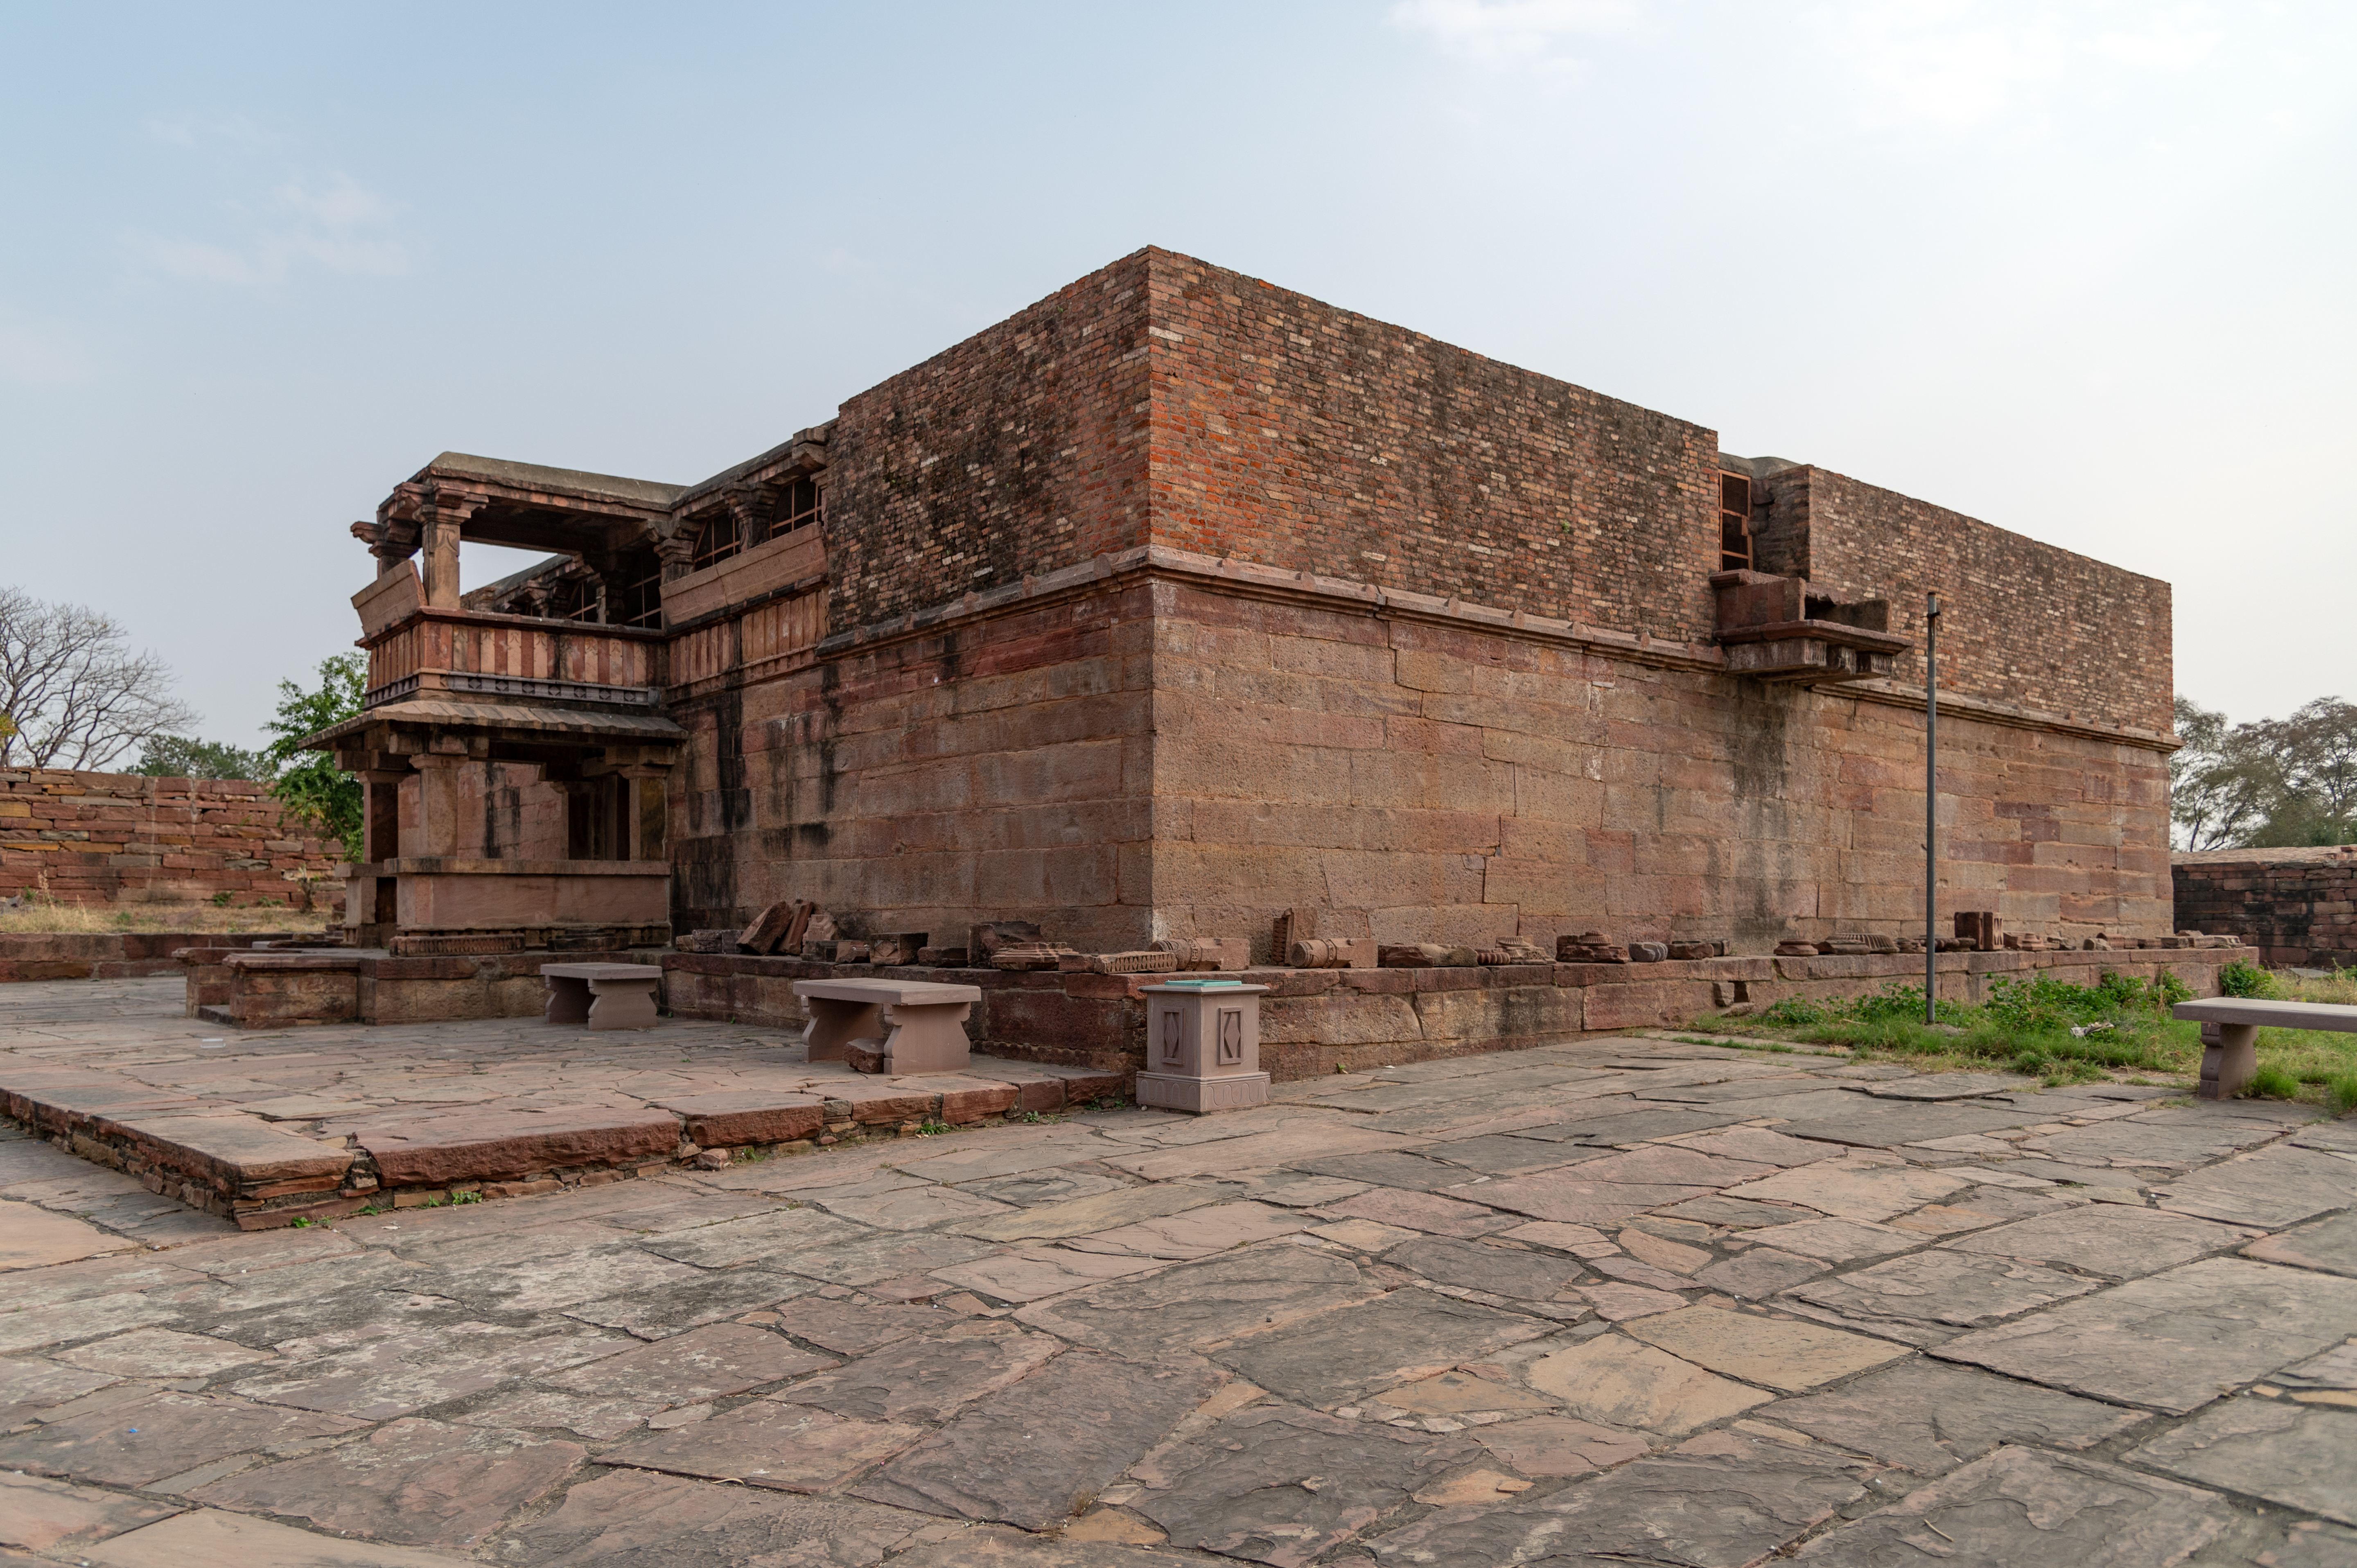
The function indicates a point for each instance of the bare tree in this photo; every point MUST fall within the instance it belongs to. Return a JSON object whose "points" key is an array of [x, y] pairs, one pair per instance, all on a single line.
{"points": [[72, 693]]}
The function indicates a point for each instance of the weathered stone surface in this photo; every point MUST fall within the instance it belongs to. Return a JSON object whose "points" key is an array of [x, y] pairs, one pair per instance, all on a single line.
{"points": [[1721, 1499], [1636, 1272], [1082, 1216], [652, 1312], [997, 1547], [1502, 1154], [1854, 1191], [1942, 1286], [911, 1209], [1427, 1212], [734, 1117], [1197, 1233], [536, 1284], [1558, 1445], [1949, 1085], [380, 1372], [241, 1149], [2329, 1244], [1034, 1189], [1458, 1393], [765, 1444], [1500, 1271], [1033, 1273], [148, 1439], [1338, 1357], [32, 1328], [2176, 1340], [209, 1538], [855, 1327], [2019, 1507], [1625, 1123], [500, 1146], [2107, 1239], [1625, 1384], [27, 1384], [1281, 1485], [706, 1363], [1387, 1169], [1737, 1213], [628, 1517], [41, 1515], [1033, 1455], [1760, 1145], [1758, 1272], [419, 1483], [750, 1239], [925, 1380], [1836, 1240], [161, 1353], [2272, 1188], [2296, 1454], [1285, 1146], [1675, 1257], [873, 1257], [1572, 1199], [1881, 1128], [1930, 1417], [547, 1409], [1775, 1351], [1620, 1302], [2155, 1138], [33, 1237]]}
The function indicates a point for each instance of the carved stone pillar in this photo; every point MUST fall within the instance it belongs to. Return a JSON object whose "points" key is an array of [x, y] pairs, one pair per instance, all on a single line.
{"points": [[437, 805], [445, 513], [677, 553]]}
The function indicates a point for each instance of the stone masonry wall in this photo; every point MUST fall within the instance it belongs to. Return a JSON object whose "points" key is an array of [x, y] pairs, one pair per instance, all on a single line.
{"points": [[1298, 436], [2296, 905], [1453, 784], [123, 838], [505, 812], [2021, 622]]}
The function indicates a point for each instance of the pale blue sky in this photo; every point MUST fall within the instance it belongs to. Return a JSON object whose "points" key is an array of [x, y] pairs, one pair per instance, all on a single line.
{"points": [[2081, 270]]}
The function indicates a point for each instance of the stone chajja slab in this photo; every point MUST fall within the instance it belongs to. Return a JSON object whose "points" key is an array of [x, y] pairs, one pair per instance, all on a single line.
{"points": [[419, 1483], [1475, 1265], [2173, 1342], [925, 1380], [1774, 1351], [2112, 1239], [1622, 1383], [1034, 1453], [1281, 1485], [1339, 1357], [2330, 1245], [2296, 1454], [1930, 1417], [2019, 1507], [632, 1517], [1942, 1286], [1198, 1305], [163, 1435], [788, 1447]]}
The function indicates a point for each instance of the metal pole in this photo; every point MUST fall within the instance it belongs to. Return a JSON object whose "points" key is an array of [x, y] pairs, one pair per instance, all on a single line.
{"points": [[1930, 806]]}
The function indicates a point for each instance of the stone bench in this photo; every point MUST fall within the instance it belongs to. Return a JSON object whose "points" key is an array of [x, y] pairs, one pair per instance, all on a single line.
{"points": [[602, 995], [2230, 1033], [926, 1021]]}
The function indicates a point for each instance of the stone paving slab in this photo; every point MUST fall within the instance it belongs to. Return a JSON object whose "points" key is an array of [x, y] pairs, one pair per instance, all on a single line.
{"points": [[41, 1515], [135, 1444], [2328, 1244], [629, 1518], [927, 1378], [2297, 1454], [209, 1538], [1930, 1417], [1942, 1286], [2116, 1243], [1338, 1357], [765, 1444], [1775, 1352], [2270, 1189]]}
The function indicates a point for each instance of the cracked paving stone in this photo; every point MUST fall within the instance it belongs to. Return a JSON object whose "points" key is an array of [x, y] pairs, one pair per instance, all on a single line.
{"points": [[1928, 1417], [855, 1327], [928, 1379], [2117, 1242], [911, 1209], [1719, 1501], [378, 1372], [1194, 1305], [1102, 1212], [1881, 1125], [1758, 1272], [1667, 1165], [1386, 1169], [882, 1256], [1778, 1353], [41, 1515], [2148, 1140], [1620, 1302], [1861, 1194], [1501, 1153], [1943, 1286], [1835, 1240], [1571, 1197], [1428, 1212], [631, 1518], [2173, 1342], [1034, 1274], [1462, 1394], [419, 1483], [1042, 1188], [657, 1311], [752, 1239], [1758, 1146], [2336, 1371], [1338, 1357], [117, 1275], [1632, 1126], [535, 1409], [711, 1362], [34, 1238], [2019, 1507], [1738, 1214], [1197, 1233], [2296, 1454], [1981, 1208], [145, 1440], [541, 1284], [1499, 1270], [2271, 1188], [1034, 1453], [2330, 1245], [209, 1538], [162, 1353], [33, 1327], [1629, 1271], [765, 1444], [354, 1277], [1952, 1086], [1625, 1384], [1554, 1445], [1280, 1486], [28, 1385], [993, 1546], [2278, 1543]]}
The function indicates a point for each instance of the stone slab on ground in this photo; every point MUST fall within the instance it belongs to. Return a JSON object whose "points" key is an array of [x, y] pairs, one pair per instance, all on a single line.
{"points": [[145, 1440], [766, 1443], [706, 1363], [1773, 1352], [1882, 1125], [2175, 1340], [2330, 1245], [627, 1518], [1338, 1357], [1558, 1445], [2296, 1454], [753, 1238], [1500, 1271], [2117, 1242], [1943, 1286], [377, 1373], [500, 1146], [1635, 1387], [1759, 1272], [1195, 1306], [1950, 1086], [1930, 1417], [41, 1515], [209, 1538], [33, 1237], [928, 1379], [2270, 1189]]}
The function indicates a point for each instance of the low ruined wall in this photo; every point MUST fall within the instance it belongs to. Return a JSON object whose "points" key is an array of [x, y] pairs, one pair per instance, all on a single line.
{"points": [[1318, 1021], [99, 839], [2296, 905], [112, 955]]}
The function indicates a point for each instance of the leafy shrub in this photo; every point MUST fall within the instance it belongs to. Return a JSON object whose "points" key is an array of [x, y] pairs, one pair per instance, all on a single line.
{"points": [[2240, 979], [1792, 1013]]}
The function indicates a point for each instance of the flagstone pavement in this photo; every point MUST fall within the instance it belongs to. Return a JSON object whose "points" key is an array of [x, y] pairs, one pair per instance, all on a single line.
{"points": [[1633, 1302]]}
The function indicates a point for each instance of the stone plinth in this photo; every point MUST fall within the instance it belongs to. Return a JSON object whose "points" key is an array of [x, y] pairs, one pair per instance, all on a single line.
{"points": [[925, 1020], [1202, 1044], [603, 996]]}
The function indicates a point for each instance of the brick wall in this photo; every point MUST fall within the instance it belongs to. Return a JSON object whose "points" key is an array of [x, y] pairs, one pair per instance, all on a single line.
{"points": [[122, 838], [2297, 905], [2021, 622]]}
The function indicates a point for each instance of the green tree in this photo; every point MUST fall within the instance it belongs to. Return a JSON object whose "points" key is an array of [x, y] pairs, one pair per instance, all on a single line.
{"points": [[178, 756], [2266, 783], [308, 782]]}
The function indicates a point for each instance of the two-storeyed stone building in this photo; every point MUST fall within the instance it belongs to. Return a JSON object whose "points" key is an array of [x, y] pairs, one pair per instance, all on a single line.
{"points": [[1178, 599]]}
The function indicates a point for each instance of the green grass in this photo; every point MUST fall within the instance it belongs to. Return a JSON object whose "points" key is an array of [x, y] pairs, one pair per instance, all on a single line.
{"points": [[2064, 1033]]}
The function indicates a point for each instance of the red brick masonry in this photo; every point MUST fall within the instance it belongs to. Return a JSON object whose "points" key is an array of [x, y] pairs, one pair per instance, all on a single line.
{"points": [[124, 838]]}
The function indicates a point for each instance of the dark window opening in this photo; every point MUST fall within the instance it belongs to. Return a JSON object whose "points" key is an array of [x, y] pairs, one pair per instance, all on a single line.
{"points": [[1734, 522], [577, 598], [638, 600], [716, 541], [797, 506]]}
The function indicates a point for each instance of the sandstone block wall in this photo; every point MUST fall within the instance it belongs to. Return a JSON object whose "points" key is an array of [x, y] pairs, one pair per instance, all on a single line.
{"points": [[122, 838], [2296, 905]]}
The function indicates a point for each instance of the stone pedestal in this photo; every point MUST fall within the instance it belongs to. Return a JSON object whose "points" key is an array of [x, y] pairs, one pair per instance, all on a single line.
{"points": [[1202, 1048]]}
